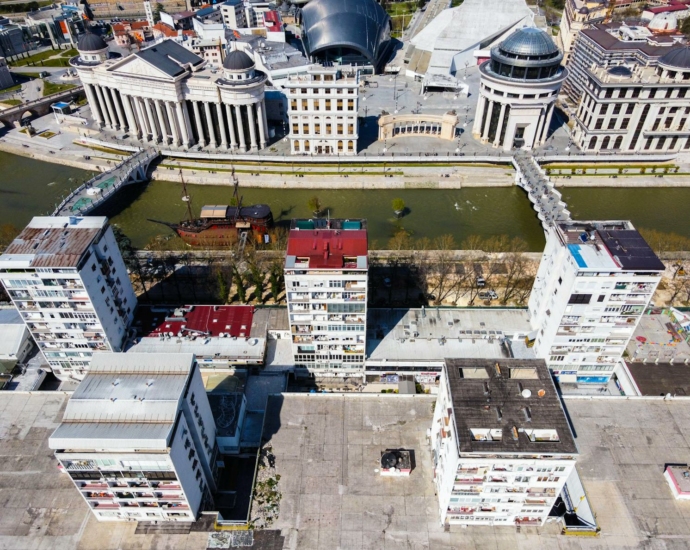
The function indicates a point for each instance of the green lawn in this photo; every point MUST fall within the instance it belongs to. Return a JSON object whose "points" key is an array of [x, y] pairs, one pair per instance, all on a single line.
{"points": [[42, 59], [11, 102], [401, 8], [12, 89], [52, 88]]}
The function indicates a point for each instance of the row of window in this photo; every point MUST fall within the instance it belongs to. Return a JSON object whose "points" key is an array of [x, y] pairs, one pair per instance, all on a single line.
{"points": [[321, 105], [306, 147], [317, 129]]}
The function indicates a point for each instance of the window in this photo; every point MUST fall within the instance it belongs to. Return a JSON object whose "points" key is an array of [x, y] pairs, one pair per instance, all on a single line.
{"points": [[601, 298], [612, 124], [305, 128], [328, 104], [617, 108], [580, 298], [295, 128], [293, 104], [339, 105], [339, 131], [296, 145], [624, 124], [599, 124], [630, 109]]}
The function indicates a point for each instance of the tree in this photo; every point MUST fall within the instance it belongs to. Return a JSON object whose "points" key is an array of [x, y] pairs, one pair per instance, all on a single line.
{"points": [[223, 289], [275, 279], [684, 27], [239, 285], [315, 206], [398, 207], [440, 268], [157, 12]]}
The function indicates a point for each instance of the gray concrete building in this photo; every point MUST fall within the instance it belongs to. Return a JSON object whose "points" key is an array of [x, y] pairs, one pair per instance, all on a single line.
{"points": [[6, 79]]}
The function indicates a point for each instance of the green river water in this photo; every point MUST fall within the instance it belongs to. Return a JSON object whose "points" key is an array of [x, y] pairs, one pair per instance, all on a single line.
{"points": [[29, 188]]}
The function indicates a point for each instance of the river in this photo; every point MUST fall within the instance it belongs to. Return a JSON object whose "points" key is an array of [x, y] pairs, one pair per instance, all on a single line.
{"points": [[29, 188]]}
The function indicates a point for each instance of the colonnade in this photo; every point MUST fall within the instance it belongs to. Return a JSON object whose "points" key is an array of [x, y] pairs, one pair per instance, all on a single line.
{"points": [[156, 120]]}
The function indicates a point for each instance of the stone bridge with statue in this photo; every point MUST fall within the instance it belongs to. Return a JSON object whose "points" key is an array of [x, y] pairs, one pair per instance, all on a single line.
{"points": [[38, 107]]}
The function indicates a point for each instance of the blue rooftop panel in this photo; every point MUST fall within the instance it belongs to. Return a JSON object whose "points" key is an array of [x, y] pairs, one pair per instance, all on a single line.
{"points": [[575, 251]]}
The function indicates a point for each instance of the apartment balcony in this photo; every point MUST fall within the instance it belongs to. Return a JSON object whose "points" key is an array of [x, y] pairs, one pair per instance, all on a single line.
{"points": [[469, 480], [97, 485], [541, 492], [467, 491], [570, 320], [105, 505], [302, 340], [463, 510], [535, 502], [359, 285], [166, 486], [497, 479], [354, 319], [527, 521], [174, 505], [98, 495]]}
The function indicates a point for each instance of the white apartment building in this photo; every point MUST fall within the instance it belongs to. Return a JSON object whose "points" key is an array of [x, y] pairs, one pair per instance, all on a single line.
{"points": [[322, 108], [501, 444], [233, 14], [326, 272], [138, 438], [594, 282], [66, 277]]}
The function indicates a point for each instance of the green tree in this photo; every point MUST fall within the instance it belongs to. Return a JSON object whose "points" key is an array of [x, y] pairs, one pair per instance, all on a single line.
{"points": [[398, 207], [223, 289], [314, 204], [239, 284], [157, 12]]}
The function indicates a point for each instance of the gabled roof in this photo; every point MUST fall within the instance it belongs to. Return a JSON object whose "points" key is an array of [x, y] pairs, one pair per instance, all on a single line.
{"points": [[169, 57]]}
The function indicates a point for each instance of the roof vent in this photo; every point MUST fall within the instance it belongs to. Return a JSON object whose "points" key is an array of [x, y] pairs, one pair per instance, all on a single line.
{"points": [[499, 414], [116, 382], [487, 391], [498, 369], [514, 433], [149, 383], [526, 393], [541, 393], [528, 414]]}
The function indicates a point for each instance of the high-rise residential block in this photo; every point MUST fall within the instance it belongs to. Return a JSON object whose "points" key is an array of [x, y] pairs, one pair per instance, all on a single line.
{"points": [[594, 282], [326, 271], [67, 278], [138, 438], [501, 443]]}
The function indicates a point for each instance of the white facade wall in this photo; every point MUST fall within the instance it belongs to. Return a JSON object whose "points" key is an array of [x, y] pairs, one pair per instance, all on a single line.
{"points": [[325, 343], [584, 318], [322, 111], [233, 16]]}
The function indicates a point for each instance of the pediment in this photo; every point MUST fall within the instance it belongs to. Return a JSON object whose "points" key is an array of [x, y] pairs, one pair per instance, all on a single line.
{"points": [[135, 66]]}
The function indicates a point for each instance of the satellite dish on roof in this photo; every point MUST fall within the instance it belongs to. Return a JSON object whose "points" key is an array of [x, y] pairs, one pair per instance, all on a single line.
{"points": [[526, 393], [388, 460]]}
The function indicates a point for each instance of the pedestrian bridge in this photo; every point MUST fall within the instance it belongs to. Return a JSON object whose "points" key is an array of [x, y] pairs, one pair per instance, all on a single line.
{"points": [[38, 107], [546, 200], [88, 196]]}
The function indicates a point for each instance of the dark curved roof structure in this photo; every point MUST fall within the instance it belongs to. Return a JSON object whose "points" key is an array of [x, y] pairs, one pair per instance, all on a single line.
{"points": [[678, 58], [238, 60], [89, 42], [359, 25]]}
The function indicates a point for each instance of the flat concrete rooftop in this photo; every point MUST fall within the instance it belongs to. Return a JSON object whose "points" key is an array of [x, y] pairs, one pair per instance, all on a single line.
{"points": [[432, 334], [327, 448]]}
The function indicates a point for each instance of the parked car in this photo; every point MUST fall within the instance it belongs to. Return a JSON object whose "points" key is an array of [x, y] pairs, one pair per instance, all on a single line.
{"points": [[481, 282]]}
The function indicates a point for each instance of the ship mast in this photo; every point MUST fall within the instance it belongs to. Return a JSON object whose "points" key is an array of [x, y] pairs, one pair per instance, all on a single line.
{"points": [[236, 194], [186, 198]]}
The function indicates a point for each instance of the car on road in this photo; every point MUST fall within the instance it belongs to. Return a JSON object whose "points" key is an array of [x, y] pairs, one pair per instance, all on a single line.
{"points": [[488, 295]]}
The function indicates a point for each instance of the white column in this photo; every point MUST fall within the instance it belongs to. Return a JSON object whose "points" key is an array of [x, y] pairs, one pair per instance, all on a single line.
{"points": [[548, 123], [102, 105], [187, 120], [152, 121], [209, 123], [111, 112], [161, 121], [497, 140], [240, 127], [476, 127], [540, 127], [132, 126], [143, 123], [93, 103], [221, 126], [485, 132], [263, 131], [231, 126], [118, 109], [199, 126], [252, 125], [173, 123], [185, 129]]}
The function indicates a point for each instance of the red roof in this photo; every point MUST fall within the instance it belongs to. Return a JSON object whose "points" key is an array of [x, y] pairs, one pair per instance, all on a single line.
{"points": [[200, 321], [167, 30], [327, 248], [137, 25], [272, 20]]}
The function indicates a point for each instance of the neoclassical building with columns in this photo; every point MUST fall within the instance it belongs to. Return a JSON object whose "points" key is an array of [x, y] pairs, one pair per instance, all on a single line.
{"points": [[519, 86], [167, 94]]}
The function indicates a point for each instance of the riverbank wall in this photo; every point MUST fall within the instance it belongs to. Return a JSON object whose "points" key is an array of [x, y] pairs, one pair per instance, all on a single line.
{"points": [[396, 173]]}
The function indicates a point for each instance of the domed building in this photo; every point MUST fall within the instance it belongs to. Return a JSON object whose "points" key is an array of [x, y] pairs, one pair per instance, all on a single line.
{"points": [[356, 32], [167, 94], [519, 85]]}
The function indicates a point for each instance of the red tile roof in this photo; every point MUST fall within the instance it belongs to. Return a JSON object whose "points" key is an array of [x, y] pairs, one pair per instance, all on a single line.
{"points": [[167, 30], [664, 9], [201, 321], [327, 248]]}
